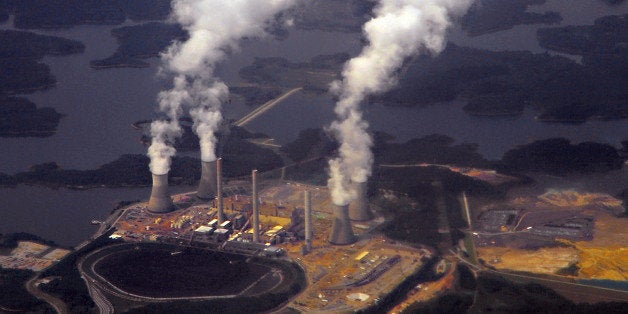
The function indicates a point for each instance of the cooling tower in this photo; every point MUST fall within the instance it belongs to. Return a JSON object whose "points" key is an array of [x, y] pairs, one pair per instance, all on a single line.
{"points": [[341, 232], [221, 212], [207, 185], [359, 209], [255, 200], [308, 220], [160, 201]]}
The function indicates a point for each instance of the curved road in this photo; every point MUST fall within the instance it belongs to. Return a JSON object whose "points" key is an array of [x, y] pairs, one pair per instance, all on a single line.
{"points": [[56, 303]]}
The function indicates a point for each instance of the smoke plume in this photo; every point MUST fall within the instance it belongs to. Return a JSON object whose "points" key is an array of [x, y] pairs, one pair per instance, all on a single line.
{"points": [[214, 28], [398, 30]]}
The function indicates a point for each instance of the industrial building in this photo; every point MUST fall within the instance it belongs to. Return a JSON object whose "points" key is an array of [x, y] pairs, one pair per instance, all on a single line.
{"points": [[221, 228], [498, 220]]}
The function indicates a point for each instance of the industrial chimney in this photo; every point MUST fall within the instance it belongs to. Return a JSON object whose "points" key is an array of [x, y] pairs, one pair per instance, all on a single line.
{"points": [[341, 232], [255, 200], [160, 201], [309, 231], [359, 209], [207, 185], [221, 213]]}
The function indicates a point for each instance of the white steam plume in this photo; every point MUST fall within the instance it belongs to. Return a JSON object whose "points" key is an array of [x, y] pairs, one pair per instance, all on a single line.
{"points": [[214, 27], [400, 29]]}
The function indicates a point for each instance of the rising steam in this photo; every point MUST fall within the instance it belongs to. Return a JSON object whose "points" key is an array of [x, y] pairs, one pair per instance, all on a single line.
{"points": [[214, 28], [400, 29]]}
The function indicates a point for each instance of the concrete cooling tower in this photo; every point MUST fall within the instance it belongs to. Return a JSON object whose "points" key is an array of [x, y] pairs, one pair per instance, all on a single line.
{"points": [[341, 232], [359, 209], [207, 186], [160, 201]]}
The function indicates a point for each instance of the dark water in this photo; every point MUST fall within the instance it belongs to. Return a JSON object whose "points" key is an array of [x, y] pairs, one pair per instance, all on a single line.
{"points": [[60, 215], [611, 284], [101, 104], [494, 135]]}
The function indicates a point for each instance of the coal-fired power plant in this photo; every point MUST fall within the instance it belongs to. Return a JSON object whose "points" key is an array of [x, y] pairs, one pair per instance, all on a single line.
{"points": [[308, 220], [341, 232], [255, 199], [160, 201], [359, 209], [221, 212], [207, 186]]}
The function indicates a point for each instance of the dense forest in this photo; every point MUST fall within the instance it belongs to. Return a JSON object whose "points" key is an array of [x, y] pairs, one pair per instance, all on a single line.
{"points": [[492, 83], [605, 36], [10, 241], [21, 117], [13, 295], [313, 75], [559, 157], [21, 71], [140, 42], [20, 56], [556, 156], [498, 83], [490, 16]]}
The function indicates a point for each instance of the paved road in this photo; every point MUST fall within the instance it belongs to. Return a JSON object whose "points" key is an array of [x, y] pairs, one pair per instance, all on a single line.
{"points": [[104, 306], [576, 292], [265, 107], [57, 304]]}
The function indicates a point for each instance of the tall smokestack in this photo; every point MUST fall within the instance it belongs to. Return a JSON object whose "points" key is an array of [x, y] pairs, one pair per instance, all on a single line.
{"points": [[160, 201], [207, 185], [359, 209], [255, 208], [221, 213], [309, 231], [341, 232]]}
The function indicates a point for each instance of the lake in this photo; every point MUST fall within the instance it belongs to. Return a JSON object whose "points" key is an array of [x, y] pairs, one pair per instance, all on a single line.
{"points": [[101, 104]]}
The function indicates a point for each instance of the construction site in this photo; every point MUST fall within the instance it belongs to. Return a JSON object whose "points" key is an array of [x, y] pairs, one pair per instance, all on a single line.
{"points": [[560, 232]]}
